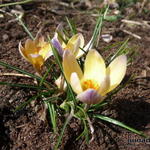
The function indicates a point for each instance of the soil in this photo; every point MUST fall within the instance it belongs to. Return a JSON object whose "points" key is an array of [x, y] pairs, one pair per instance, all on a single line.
{"points": [[24, 130]]}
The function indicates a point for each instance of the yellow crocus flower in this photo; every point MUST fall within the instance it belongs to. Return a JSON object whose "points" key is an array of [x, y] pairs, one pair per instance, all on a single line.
{"points": [[96, 80], [36, 52]]}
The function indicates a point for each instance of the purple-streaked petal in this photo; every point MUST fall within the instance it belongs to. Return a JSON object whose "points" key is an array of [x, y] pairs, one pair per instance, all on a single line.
{"points": [[90, 96], [58, 46]]}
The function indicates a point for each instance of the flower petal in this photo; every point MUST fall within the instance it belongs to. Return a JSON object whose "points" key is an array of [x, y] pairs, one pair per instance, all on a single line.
{"points": [[90, 96], [70, 65], [76, 47], [61, 84], [46, 51], [37, 61], [89, 44], [74, 42], [94, 67], [39, 40], [116, 71], [57, 45], [22, 51], [30, 47], [75, 83], [104, 87], [59, 34]]}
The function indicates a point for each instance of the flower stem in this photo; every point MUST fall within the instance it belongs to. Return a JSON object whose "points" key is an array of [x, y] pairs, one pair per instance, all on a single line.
{"points": [[91, 128]]}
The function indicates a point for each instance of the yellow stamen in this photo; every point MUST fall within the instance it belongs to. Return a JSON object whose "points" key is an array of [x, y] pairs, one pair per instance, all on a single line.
{"points": [[86, 84]]}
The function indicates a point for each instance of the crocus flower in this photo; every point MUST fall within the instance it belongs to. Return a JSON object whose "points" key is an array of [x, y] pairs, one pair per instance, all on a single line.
{"points": [[75, 45], [92, 84], [36, 52]]}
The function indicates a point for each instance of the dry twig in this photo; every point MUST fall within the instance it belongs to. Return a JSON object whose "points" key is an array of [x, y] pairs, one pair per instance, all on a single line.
{"points": [[14, 74], [132, 34]]}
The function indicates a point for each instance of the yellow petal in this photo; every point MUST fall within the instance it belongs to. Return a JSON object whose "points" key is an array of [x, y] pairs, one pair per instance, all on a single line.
{"points": [[74, 42], [116, 71], [70, 65], [30, 47], [94, 67], [61, 84], [39, 40], [75, 83], [104, 87], [46, 51], [37, 61]]}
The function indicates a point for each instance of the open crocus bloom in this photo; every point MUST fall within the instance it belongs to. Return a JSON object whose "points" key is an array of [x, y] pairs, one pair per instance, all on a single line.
{"points": [[36, 52], [97, 80]]}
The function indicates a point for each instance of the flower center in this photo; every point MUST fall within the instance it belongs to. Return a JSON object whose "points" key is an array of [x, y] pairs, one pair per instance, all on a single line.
{"points": [[89, 84]]}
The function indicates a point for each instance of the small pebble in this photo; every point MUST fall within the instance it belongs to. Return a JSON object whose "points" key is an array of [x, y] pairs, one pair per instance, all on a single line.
{"points": [[107, 38], [5, 37]]}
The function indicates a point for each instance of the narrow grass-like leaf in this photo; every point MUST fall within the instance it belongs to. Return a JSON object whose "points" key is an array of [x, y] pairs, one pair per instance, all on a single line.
{"points": [[26, 103], [45, 75], [22, 85], [97, 29], [85, 132], [112, 18], [120, 51], [97, 106], [72, 26], [22, 71], [25, 28], [16, 3], [118, 123], [52, 113], [51, 99], [116, 44]]}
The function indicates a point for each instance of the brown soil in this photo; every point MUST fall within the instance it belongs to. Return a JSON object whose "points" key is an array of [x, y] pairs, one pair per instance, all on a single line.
{"points": [[24, 130]]}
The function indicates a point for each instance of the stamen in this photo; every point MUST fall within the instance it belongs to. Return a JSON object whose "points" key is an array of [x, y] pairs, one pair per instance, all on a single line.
{"points": [[86, 84]]}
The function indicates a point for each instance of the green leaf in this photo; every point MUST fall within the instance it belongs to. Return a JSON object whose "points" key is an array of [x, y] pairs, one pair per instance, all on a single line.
{"points": [[25, 28], [26, 103], [120, 51], [72, 26], [22, 71], [45, 75], [112, 18], [85, 132], [53, 115], [118, 123], [97, 106], [51, 99], [98, 28]]}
